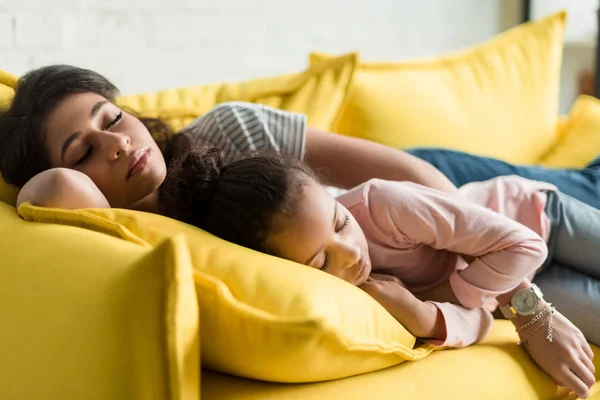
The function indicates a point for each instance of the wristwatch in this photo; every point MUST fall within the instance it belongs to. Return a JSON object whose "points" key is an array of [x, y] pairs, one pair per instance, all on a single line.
{"points": [[524, 302]]}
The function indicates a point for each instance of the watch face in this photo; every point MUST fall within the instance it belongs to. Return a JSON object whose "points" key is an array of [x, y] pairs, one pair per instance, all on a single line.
{"points": [[525, 302]]}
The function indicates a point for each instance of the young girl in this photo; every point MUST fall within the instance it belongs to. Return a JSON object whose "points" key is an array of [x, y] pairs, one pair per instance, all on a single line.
{"points": [[456, 255]]}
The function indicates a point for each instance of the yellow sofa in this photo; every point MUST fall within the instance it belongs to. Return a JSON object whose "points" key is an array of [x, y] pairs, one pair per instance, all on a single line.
{"points": [[115, 304]]}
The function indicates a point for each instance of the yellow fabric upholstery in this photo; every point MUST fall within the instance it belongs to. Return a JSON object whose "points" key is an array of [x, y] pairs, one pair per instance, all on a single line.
{"points": [[255, 306], [497, 369], [8, 82], [498, 99], [318, 92], [580, 136], [90, 316]]}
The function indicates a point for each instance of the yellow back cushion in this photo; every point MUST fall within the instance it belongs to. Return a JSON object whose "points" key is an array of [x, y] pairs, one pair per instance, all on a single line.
{"points": [[317, 92], [580, 136], [498, 99], [89, 316], [263, 317]]}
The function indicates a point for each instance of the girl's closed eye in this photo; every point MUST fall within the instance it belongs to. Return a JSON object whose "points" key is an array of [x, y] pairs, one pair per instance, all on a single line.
{"points": [[345, 224], [338, 230]]}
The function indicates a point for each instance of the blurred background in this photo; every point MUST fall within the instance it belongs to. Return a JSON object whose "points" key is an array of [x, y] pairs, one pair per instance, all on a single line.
{"points": [[147, 45]]}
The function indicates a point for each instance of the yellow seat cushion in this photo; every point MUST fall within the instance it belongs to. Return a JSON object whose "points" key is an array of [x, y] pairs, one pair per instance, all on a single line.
{"points": [[317, 92], [86, 315], [498, 99], [580, 136], [263, 317], [496, 369]]}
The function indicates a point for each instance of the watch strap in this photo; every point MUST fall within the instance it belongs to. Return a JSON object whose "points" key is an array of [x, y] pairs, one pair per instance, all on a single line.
{"points": [[508, 311]]}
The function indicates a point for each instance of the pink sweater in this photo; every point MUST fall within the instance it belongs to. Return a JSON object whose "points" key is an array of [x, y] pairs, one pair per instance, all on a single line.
{"points": [[425, 237]]}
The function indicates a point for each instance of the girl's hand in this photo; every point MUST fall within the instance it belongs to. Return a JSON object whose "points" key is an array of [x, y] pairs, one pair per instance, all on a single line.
{"points": [[442, 293], [420, 318], [567, 359]]}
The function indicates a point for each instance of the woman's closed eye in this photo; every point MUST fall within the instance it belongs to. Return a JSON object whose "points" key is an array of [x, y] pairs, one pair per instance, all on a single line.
{"points": [[85, 156], [115, 121]]}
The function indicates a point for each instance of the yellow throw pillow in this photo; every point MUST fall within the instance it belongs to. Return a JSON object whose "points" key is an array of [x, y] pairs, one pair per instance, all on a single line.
{"points": [[318, 92], [263, 317], [8, 82], [498, 99], [580, 137], [89, 316]]}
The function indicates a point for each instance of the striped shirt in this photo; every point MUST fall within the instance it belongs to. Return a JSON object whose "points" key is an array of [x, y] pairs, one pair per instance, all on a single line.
{"points": [[239, 128]]}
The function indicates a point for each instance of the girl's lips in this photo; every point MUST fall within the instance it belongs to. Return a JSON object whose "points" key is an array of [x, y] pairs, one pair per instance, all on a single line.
{"points": [[362, 265], [139, 161]]}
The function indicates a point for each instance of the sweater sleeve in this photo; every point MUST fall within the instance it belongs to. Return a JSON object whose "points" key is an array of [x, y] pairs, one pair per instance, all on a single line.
{"points": [[463, 326], [502, 251]]}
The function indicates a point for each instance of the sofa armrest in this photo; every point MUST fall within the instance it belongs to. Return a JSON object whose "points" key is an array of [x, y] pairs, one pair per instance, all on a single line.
{"points": [[86, 315]]}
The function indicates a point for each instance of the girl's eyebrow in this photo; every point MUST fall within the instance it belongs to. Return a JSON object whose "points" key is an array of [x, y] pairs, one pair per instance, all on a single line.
{"points": [[75, 135], [335, 211]]}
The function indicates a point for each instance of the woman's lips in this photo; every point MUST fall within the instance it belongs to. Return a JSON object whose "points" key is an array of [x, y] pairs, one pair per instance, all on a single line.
{"points": [[138, 162]]}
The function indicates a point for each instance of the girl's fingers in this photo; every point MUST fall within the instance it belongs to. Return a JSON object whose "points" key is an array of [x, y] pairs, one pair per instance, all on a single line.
{"points": [[574, 383], [584, 373], [587, 350], [587, 362]]}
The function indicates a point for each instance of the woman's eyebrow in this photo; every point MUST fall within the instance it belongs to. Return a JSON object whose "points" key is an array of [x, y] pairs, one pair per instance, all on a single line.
{"points": [[75, 135], [335, 211]]}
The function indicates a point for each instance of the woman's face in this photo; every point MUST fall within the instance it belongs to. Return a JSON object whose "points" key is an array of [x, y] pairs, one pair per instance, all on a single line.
{"points": [[87, 133], [323, 234]]}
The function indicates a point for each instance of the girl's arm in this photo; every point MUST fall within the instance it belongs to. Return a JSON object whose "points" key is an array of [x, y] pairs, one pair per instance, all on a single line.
{"points": [[502, 252], [441, 324], [62, 188], [349, 161]]}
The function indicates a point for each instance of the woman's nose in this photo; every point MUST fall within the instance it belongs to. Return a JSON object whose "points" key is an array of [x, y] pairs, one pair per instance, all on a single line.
{"points": [[117, 145]]}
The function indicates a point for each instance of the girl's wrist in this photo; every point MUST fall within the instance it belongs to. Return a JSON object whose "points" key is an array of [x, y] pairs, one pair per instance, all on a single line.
{"points": [[432, 322]]}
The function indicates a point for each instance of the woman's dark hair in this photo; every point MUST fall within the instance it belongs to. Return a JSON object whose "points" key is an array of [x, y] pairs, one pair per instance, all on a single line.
{"points": [[239, 202], [22, 132]]}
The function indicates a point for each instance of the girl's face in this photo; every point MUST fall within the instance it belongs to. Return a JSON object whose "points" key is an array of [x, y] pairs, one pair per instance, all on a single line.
{"points": [[87, 133], [324, 235]]}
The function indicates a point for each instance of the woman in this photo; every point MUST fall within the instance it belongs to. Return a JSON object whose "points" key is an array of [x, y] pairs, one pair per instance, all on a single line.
{"points": [[65, 117], [61, 116]]}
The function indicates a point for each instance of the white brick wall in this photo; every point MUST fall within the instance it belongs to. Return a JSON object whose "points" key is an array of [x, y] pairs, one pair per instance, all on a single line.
{"points": [[147, 45]]}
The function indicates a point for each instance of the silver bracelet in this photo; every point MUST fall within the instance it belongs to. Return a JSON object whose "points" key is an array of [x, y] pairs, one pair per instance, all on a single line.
{"points": [[550, 325], [533, 320], [534, 331], [551, 310]]}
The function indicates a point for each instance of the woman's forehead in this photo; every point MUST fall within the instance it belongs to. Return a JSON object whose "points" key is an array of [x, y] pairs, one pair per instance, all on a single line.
{"points": [[71, 114]]}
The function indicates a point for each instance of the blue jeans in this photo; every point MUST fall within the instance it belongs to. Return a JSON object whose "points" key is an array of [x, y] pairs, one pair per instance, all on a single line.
{"points": [[570, 278], [462, 168]]}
